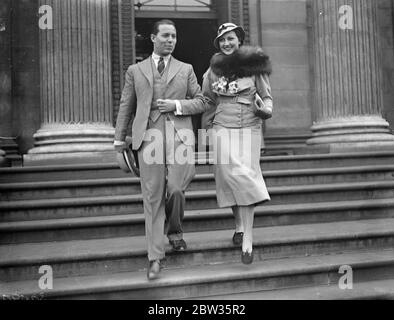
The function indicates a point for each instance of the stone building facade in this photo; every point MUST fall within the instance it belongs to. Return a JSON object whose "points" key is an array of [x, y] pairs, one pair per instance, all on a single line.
{"points": [[62, 64]]}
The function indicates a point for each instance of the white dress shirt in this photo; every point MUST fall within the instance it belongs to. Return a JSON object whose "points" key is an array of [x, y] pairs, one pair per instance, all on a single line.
{"points": [[156, 58]]}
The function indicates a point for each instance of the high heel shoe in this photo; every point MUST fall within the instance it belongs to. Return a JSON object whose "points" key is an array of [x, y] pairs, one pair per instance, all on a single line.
{"points": [[154, 268], [247, 258]]}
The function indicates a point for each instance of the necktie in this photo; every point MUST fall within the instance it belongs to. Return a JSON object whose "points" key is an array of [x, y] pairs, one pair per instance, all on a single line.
{"points": [[161, 66]]}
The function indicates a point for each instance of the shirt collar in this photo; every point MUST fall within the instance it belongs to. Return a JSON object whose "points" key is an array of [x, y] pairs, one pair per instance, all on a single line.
{"points": [[156, 57]]}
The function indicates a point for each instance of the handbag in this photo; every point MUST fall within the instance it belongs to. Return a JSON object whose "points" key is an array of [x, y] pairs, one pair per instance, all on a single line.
{"points": [[263, 109]]}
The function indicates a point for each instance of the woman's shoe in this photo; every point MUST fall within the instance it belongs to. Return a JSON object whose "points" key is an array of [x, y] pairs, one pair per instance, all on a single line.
{"points": [[238, 238], [247, 258]]}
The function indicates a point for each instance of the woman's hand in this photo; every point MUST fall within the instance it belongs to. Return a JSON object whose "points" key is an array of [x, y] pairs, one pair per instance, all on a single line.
{"points": [[264, 104], [166, 105], [263, 107]]}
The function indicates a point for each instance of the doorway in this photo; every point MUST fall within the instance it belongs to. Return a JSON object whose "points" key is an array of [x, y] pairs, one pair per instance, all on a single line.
{"points": [[194, 45]]}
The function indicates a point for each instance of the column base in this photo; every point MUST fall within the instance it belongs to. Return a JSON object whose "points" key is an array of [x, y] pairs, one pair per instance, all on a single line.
{"points": [[353, 134], [345, 148], [72, 144], [31, 160]]}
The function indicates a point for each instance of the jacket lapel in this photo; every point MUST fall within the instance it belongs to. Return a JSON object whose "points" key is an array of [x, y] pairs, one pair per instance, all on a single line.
{"points": [[175, 66], [146, 69]]}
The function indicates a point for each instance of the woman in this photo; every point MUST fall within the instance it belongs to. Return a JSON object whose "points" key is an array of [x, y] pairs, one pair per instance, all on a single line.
{"points": [[236, 80]]}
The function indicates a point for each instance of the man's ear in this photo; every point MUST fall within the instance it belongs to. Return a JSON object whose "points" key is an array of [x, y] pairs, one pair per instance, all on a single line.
{"points": [[152, 37]]}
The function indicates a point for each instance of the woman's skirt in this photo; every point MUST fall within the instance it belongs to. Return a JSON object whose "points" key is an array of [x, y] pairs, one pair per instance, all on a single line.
{"points": [[239, 180]]}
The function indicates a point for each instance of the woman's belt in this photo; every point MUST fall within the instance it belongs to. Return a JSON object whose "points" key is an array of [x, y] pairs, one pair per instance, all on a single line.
{"points": [[237, 99]]}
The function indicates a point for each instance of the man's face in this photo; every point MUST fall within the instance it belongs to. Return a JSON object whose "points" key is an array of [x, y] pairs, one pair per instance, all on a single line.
{"points": [[165, 40]]}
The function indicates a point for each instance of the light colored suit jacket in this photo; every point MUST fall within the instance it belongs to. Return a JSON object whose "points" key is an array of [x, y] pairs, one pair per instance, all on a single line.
{"points": [[137, 96], [233, 118]]}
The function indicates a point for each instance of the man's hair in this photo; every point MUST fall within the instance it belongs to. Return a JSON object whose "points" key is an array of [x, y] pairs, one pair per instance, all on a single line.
{"points": [[155, 29]]}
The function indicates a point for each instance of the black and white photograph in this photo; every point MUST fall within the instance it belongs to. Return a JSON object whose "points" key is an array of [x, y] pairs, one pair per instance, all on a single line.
{"points": [[199, 155]]}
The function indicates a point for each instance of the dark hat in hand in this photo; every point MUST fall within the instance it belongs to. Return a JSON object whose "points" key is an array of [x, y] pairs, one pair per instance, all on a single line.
{"points": [[128, 159]]}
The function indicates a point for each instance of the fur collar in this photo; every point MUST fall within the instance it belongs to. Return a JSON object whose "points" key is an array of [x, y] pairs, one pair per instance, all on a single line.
{"points": [[245, 62]]}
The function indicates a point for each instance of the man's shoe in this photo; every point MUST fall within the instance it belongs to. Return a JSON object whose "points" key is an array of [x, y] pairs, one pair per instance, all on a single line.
{"points": [[153, 269], [247, 258], [178, 245], [238, 238]]}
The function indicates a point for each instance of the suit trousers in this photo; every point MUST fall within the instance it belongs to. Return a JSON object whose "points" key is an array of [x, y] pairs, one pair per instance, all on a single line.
{"points": [[163, 183]]}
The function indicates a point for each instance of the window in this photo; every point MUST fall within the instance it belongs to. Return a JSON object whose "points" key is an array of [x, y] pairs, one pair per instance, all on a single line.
{"points": [[174, 5]]}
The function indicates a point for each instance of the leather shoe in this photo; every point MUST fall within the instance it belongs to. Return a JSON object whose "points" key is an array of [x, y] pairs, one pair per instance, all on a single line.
{"points": [[178, 245], [153, 269], [238, 238], [246, 257]]}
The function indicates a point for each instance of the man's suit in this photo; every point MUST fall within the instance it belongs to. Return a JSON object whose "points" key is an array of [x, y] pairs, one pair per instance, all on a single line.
{"points": [[163, 184]]}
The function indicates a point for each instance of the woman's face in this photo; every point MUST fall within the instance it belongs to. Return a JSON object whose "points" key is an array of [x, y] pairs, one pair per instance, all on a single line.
{"points": [[229, 43]]}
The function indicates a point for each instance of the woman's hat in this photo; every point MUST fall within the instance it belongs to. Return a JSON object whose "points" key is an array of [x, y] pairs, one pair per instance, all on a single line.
{"points": [[227, 27]]}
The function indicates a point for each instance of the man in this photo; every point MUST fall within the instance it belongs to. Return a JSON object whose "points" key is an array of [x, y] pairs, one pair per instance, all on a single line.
{"points": [[159, 95]]}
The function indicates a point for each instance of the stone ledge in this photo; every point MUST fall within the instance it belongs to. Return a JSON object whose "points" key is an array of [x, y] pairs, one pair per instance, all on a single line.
{"points": [[69, 158], [348, 147]]}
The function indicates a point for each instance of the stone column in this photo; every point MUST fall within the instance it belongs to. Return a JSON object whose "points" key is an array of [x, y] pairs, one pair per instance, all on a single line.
{"points": [[5, 76], [348, 86], [75, 81]]}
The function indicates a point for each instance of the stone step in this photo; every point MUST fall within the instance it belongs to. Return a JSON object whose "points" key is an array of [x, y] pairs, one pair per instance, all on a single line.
{"points": [[105, 256], [113, 226], [131, 185], [368, 290], [24, 210], [63, 172], [213, 280], [99, 171]]}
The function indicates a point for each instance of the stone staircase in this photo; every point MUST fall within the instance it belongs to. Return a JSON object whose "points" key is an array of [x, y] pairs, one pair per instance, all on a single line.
{"points": [[12, 155], [86, 222]]}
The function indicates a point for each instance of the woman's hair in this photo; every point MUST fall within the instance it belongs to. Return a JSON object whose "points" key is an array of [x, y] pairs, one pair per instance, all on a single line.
{"points": [[239, 36]]}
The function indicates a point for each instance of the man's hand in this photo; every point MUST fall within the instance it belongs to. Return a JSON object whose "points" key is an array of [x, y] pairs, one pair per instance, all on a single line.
{"points": [[166, 106], [120, 146]]}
